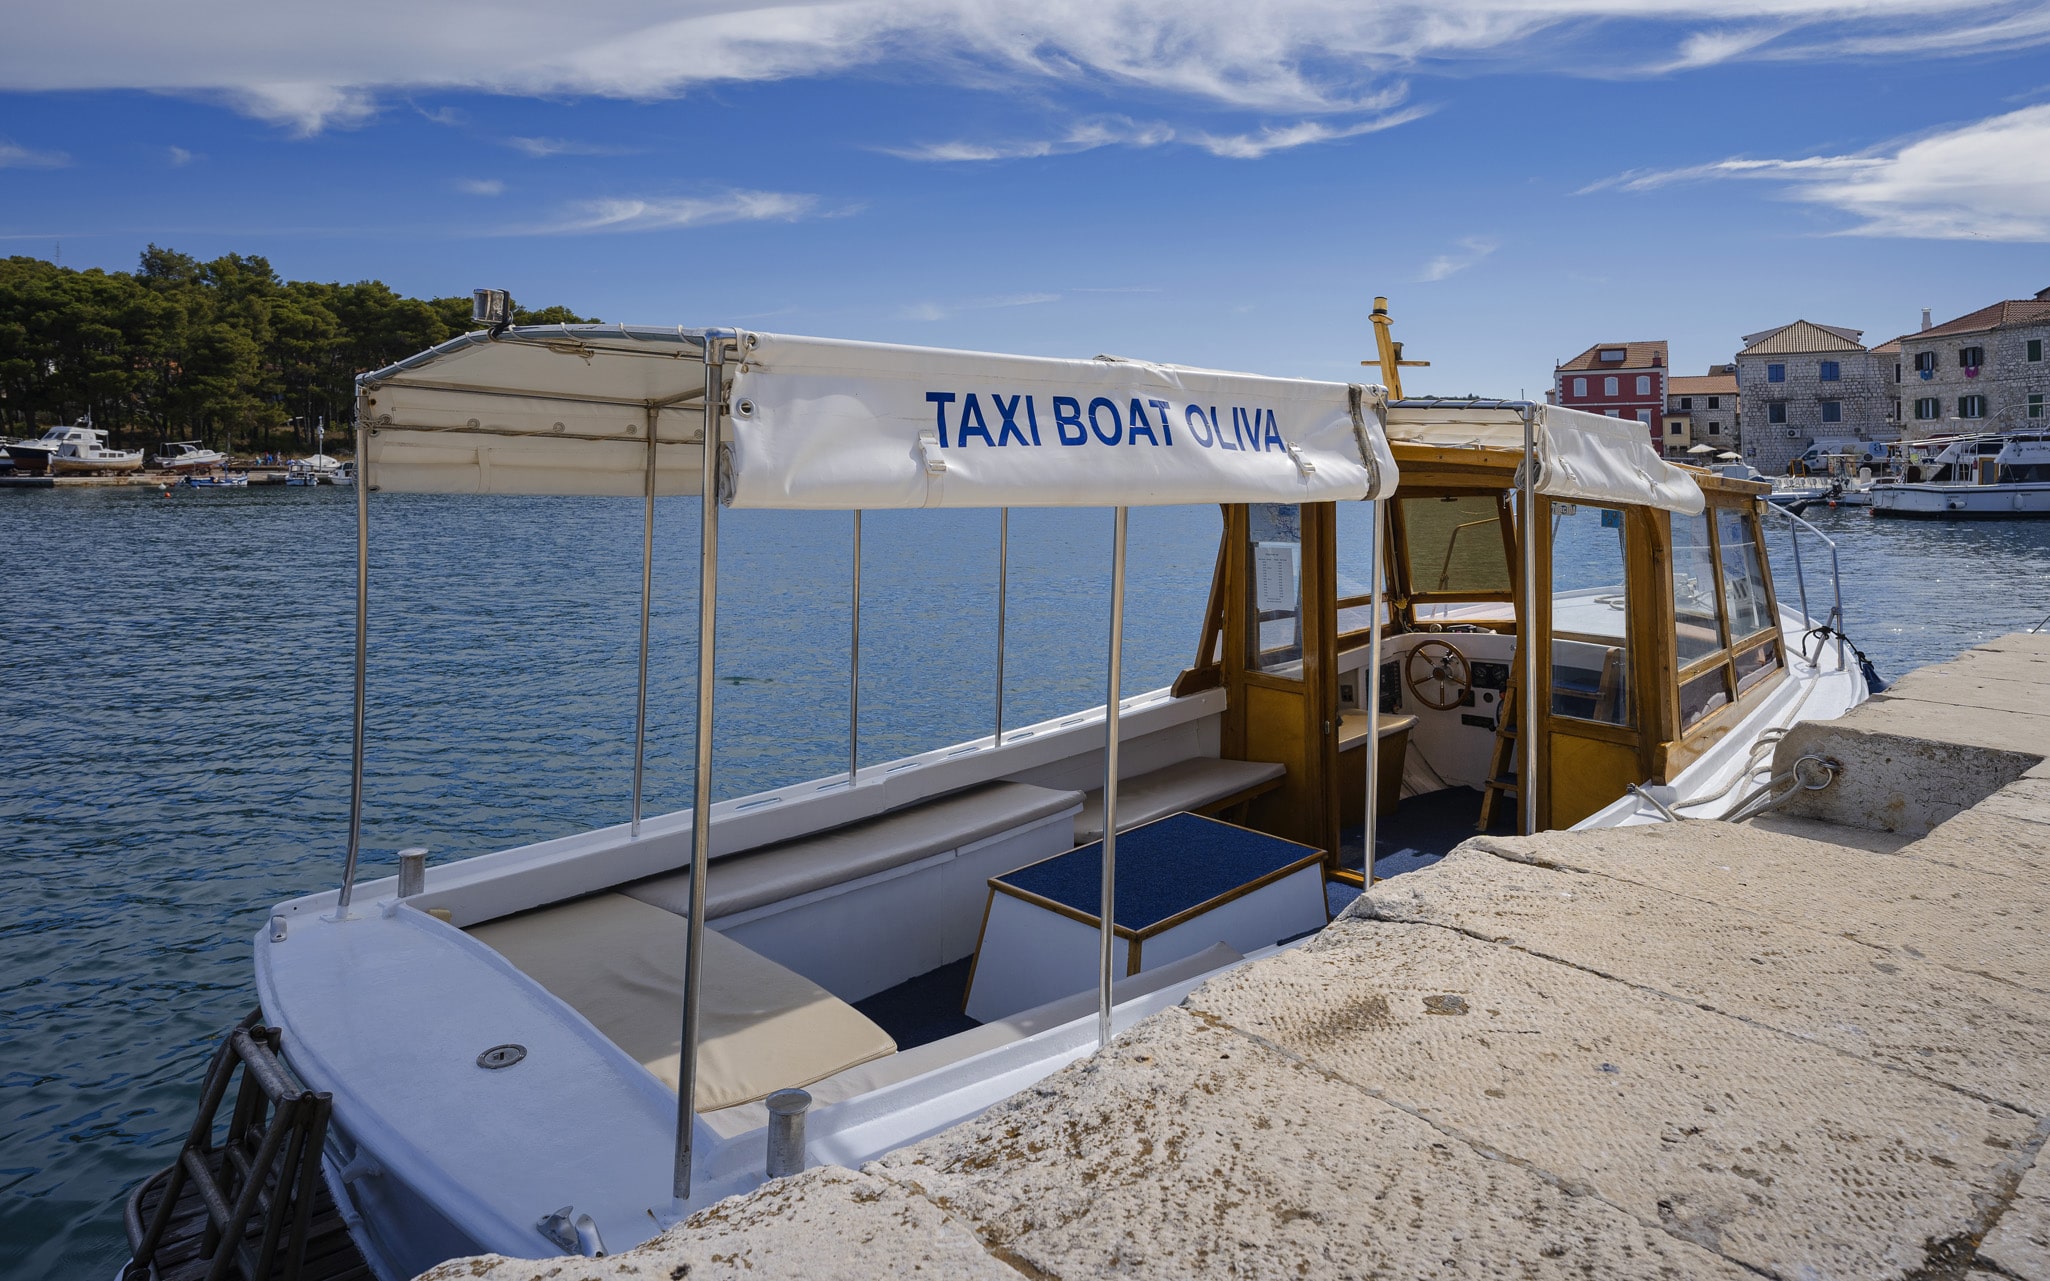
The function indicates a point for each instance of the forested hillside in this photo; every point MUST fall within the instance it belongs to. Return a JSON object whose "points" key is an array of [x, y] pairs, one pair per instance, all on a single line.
{"points": [[222, 351]]}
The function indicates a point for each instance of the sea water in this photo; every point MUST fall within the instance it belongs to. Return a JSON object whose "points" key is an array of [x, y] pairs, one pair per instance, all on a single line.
{"points": [[175, 712]]}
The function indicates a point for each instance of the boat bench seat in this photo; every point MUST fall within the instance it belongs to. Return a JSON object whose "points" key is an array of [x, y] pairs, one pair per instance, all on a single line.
{"points": [[619, 962], [1200, 784], [776, 873]]}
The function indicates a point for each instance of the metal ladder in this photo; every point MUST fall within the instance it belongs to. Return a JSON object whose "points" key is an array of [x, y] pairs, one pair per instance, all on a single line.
{"points": [[1502, 760], [255, 1205]]}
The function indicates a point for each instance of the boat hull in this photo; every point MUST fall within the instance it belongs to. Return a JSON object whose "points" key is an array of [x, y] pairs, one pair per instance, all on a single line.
{"points": [[94, 466], [1963, 502]]}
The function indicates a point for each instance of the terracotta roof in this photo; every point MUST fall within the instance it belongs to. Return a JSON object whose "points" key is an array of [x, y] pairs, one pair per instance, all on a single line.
{"points": [[2001, 315], [1891, 347], [1704, 385], [1801, 336], [1636, 355]]}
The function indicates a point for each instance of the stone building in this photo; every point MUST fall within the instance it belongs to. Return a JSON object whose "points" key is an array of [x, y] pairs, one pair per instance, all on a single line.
{"points": [[1703, 411], [1620, 379], [1806, 384], [1986, 371]]}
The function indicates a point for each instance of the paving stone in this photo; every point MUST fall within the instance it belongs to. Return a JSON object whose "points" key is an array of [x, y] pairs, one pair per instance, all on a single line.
{"points": [[1778, 1153], [1993, 840], [2026, 798], [824, 1223], [1961, 917], [2019, 1244], [1189, 1150], [1977, 1034]]}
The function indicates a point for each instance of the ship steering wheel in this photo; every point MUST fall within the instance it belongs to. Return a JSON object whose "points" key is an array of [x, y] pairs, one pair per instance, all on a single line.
{"points": [[1438, 675]]}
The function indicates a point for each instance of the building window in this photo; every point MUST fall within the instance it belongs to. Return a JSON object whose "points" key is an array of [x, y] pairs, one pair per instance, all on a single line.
{"points": [[1673, 428], [1644, 384], [1971, 406], [2035, 350], [1829, 371], [1715, 428], [1686, 402], [1609, 386], [1896, 371], [1776, 411], [1715, 402], [1613, 353], [1644, 416], [1613, 413], [1832, 411], [1580, 387], [1928, 408], [1971, 357], [1775, 373], [1925, 362], [2035, 404]]}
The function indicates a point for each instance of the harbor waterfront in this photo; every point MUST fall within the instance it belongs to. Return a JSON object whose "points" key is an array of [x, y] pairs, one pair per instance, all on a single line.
{"points": [[178, 709]]}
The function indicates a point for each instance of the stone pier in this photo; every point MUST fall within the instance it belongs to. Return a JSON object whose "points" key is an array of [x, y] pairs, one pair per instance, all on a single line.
{"points": [[1816, 1045]]}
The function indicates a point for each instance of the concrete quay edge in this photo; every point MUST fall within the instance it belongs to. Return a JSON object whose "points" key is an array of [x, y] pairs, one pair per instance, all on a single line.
{"points": [[1810, 1046]]}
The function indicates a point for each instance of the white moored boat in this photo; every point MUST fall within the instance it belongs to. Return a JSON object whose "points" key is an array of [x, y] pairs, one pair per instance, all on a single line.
{"points": [[84, 453], [34, 455], [1989, 476], [189, 456], [507, 1038]]}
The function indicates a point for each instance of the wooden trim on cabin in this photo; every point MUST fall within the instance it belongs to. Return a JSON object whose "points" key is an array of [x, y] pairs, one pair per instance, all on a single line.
{"points": [[1311, 859], [1207, 673], [981, 934]]}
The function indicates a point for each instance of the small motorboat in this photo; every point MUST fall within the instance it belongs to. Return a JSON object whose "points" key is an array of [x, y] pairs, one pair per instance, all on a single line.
{"points": [[220, 480], [33, 456], [315, 470], [189, 456], [84, 452]]}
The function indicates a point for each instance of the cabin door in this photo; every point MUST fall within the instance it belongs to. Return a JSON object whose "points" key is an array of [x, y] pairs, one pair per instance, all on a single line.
{"points": [[1280, 649]]}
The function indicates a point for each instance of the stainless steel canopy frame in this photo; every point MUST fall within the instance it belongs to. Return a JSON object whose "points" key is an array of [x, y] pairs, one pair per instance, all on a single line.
{"points": [[348, 889], [1107, 907], [1371, 832], [647, 596]]}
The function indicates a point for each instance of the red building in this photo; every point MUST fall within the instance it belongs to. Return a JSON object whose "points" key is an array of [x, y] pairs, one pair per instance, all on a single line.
{"points": [[1620, 379]]}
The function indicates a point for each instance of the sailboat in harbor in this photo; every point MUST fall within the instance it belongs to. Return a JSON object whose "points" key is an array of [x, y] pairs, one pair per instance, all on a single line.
{"points": [[1426, 618]]}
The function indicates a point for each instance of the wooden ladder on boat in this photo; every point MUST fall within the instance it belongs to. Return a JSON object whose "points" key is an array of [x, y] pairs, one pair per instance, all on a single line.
{"points": [[1502, 760]]}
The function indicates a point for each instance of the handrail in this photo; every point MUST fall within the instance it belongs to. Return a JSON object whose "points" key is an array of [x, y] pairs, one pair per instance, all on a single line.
{"points": [[1795, 524]]}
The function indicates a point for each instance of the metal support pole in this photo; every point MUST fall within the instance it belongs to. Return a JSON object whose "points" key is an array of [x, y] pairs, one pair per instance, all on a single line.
{"points": [[1372, 833], [701, 792], [647, 596], [1003, 595], [1107, 915], [362, 665], [854, 664], [1527, 719]]}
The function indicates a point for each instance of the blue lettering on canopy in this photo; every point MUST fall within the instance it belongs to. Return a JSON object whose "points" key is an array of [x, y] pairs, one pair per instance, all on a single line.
{"points": [[1009, 414], [1223, 441], [1192, 418], [1141, 423], [1067, 412], [1032, 419], [972, 423], [941, 399], [1166, 431], [1248, 434], [1272, 440], [1117, 426]]}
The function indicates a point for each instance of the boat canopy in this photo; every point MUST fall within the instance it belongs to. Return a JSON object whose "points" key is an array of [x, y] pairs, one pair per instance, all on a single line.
{"points": [[826, 424], [1582, 457]]}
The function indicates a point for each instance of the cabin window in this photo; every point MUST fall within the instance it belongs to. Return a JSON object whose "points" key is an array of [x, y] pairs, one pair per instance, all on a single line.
{"points": [[1274, 590], [1590, 615], [1355, 544], [1744, 585], [1971, 406], [1702, 695], [1757, 663], [1455, 546], [1697, 623]]}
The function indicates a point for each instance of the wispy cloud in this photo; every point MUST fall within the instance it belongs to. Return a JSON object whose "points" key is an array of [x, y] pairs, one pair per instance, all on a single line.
{"points": [[481, 186], [944, 310], [1277, 58], [1470, 251], [1118, 131], [671, 213], [16, 156], [179, 157], [543, 148], [1968, 182], [1252, 146]]}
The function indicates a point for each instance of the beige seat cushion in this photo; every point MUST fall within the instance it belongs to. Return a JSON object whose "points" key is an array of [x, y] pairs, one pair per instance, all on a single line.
{"points": [[620, 964], [920, 1059], [1185, 785], [760, 877]]}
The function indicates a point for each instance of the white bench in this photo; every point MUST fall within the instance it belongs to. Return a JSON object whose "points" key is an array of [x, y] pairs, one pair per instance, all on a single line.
{"points": [[1201, 784], [861, 908]]}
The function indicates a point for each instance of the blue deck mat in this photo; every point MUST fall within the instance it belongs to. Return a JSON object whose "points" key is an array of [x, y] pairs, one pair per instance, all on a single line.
{"points": [[1164, 868]]}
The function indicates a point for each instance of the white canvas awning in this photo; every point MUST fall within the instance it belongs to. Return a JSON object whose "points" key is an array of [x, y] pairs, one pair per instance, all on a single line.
{"points": [[815, 423], [1582, 457]]}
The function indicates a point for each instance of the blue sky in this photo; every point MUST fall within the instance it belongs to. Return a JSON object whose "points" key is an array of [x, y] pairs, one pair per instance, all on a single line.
{"points": [[1188, 180]]}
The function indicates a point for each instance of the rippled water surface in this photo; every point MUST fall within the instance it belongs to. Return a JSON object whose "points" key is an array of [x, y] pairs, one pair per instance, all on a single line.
{"points": [[175, 725]]}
